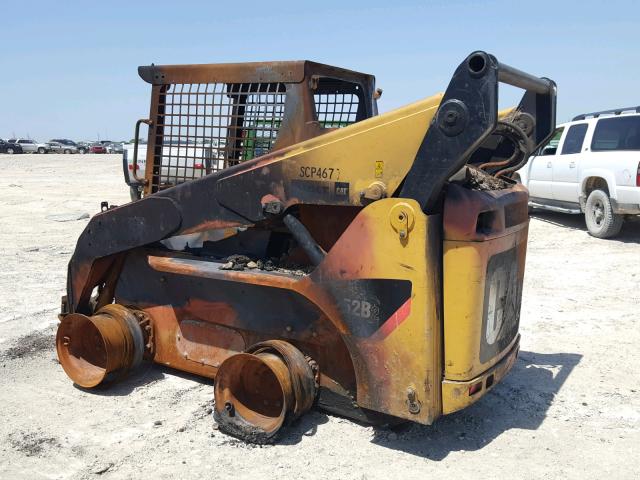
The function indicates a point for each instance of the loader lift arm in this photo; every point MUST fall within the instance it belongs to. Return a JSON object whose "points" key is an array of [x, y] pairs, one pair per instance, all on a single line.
{"points": [[245, 194]]}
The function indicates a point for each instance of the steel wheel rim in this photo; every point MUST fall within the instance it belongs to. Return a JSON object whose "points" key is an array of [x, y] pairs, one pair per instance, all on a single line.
{"points": [[597, 212]]}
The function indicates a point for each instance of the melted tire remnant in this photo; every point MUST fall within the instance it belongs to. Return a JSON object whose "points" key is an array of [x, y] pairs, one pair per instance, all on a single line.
{"points": [[243, 430]]}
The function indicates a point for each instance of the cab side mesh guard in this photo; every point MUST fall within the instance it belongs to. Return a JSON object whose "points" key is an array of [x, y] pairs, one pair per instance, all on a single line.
{"points": [[205, 118]]}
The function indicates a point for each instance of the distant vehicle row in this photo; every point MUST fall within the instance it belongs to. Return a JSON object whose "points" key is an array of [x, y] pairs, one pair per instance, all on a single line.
{"points": [[58, 145]]}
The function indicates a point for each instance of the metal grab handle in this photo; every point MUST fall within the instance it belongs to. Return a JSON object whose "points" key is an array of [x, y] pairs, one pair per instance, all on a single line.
{"points": [[512, 76], [143, 181], [480, 62]]}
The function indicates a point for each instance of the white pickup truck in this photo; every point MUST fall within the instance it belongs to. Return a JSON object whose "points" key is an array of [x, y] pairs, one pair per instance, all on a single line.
{"points": [[180, 163], [135, 186], [592, 166]]}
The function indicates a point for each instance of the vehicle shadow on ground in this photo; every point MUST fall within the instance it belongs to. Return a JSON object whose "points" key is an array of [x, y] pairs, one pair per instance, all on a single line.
{"points": [[149, 373], [305, 426], [630, 232], [520, 401], [145, 375]]}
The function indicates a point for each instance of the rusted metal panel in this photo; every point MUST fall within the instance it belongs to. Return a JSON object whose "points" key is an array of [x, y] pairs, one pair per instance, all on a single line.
{"points": [[481, 215], [250, 72]]}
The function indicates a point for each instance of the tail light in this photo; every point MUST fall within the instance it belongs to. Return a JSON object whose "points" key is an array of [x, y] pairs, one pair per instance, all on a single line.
{"points": [[475, 388], [638, 176], [199, 166]]}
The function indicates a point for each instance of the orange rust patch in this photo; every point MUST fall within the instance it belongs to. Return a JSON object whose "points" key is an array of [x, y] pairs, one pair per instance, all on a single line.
{"points": [[211, 225]]}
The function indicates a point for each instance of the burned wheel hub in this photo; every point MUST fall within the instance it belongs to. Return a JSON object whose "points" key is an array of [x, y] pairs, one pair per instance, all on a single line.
{"points": [[100, 347], [259, 391]]}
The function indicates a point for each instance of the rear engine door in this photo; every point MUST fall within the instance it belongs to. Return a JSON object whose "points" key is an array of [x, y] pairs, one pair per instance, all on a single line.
{"points": [[484, 251]]}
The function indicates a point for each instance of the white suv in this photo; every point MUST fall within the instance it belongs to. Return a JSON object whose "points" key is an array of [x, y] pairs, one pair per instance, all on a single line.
{"points": [[591, 165]]}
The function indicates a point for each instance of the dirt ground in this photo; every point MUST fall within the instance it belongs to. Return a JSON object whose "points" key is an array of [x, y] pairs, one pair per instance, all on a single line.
{"points": [[569, 409]]}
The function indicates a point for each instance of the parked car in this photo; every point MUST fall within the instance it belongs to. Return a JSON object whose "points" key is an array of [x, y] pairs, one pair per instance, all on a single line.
{"points": [[115, 148], [10, 148], [97, 148], [84, 147], [30, 146], [590, 166], [57, 147], [70, 143]]}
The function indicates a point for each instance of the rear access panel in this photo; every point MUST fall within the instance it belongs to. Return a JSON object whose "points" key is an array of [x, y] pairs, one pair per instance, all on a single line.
{"points": [[485, 236]]}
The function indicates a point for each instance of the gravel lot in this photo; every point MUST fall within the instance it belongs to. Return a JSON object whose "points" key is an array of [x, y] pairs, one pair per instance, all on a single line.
{"points": [[569, 409]]}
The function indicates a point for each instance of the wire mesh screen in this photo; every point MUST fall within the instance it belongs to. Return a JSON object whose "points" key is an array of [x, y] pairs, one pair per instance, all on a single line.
{"points": [[203, 128], [336, 110]]}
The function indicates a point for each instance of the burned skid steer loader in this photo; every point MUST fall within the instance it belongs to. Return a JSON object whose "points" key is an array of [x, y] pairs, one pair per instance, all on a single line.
{"points": [[303, 251]]}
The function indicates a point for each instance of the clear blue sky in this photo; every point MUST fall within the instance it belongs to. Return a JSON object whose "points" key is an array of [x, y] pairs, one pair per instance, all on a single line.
{"points": [[68, 69]]}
